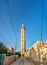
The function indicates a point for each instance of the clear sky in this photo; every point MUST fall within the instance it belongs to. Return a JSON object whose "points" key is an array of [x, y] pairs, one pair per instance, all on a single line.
{"points": [[15, 12]]}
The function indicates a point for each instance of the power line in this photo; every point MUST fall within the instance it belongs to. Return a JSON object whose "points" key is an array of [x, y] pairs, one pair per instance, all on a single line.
{"points": [[11, 19], [3, 24]]}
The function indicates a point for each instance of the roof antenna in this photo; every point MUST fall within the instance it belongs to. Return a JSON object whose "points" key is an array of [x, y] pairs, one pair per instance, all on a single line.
{"points": [[42, 23]]}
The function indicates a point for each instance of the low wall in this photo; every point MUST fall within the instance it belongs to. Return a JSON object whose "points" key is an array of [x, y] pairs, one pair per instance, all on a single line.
{"points": [[45, 61], [10, 59]]}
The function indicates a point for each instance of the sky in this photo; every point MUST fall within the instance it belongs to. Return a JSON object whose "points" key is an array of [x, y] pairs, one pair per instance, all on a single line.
{"points": [[15, 12]]}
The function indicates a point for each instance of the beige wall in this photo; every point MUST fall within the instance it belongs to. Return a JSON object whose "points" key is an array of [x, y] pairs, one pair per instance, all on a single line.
{"points": [[10, 59]]}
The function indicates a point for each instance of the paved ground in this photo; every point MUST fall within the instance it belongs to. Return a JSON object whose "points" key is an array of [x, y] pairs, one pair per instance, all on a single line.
{"points": [[22, 61]]}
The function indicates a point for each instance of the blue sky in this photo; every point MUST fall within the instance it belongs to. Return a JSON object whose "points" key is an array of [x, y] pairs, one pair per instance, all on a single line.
{"points": [[15, 12]]}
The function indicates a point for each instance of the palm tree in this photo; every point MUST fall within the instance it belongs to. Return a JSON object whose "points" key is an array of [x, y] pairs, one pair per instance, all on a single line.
{"points": [[2, 48]]}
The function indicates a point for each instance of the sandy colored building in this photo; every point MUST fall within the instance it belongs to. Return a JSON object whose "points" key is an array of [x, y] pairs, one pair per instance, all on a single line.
{"points": [[37, 51], [10, 49]]}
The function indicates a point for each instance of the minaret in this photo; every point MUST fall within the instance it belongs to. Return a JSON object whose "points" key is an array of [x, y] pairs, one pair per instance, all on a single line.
{"points": [[23, 40]]}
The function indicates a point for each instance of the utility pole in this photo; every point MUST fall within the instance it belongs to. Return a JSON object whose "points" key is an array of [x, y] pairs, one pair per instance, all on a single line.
{"points": [[16, 45], [42, 23]]}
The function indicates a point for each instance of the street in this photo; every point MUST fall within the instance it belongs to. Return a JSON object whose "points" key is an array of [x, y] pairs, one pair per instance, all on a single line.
{"points": [[22, 61]]}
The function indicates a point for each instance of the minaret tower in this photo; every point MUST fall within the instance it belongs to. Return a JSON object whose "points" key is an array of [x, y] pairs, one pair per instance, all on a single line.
{"points": [[23, 40]]}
